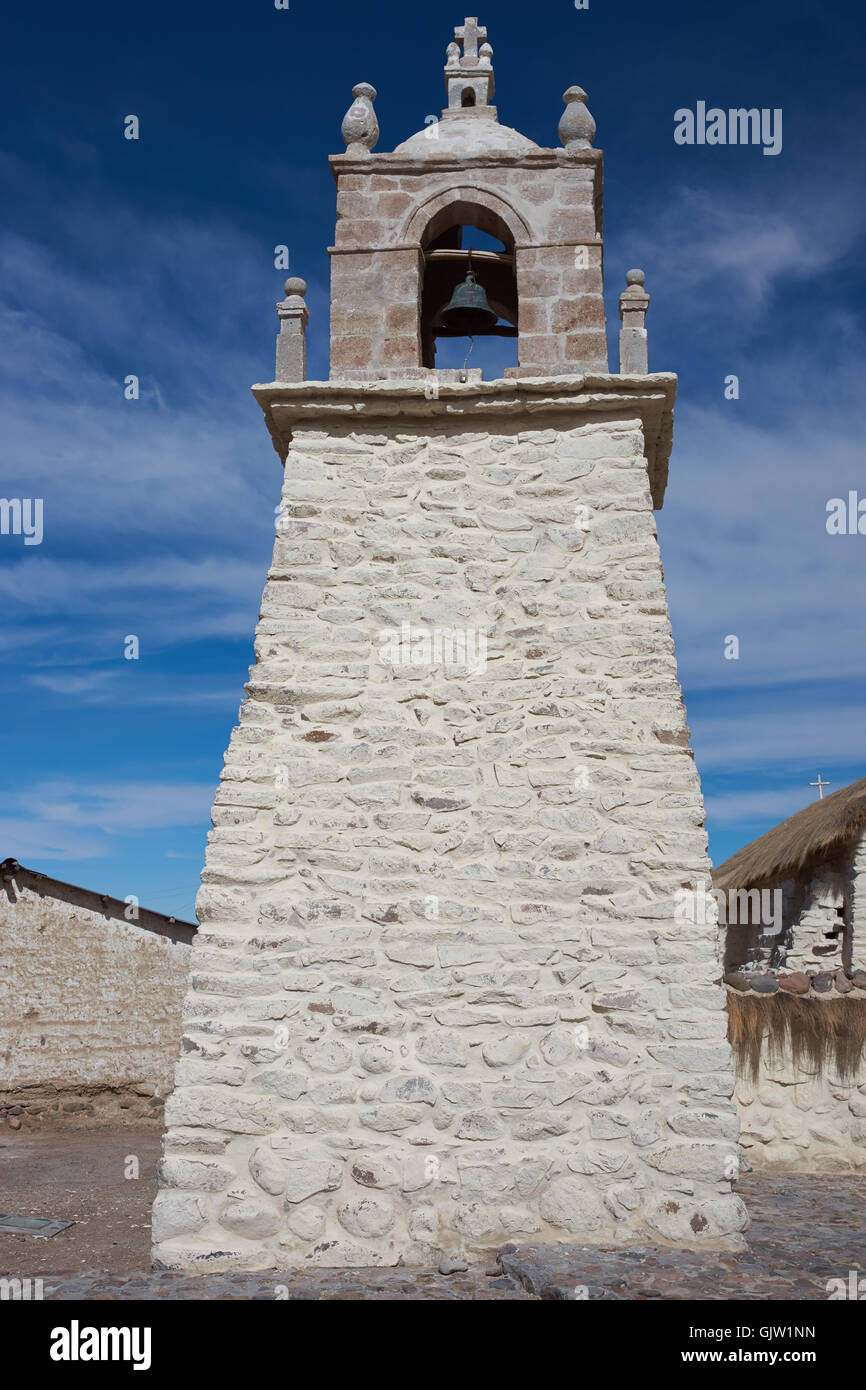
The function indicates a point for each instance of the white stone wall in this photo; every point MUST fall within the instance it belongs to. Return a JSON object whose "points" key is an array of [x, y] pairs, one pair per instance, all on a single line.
{"points": [[794, 1118], [439, 999], [817, 933], [811, 935], [857, 890], [90, 1005]]}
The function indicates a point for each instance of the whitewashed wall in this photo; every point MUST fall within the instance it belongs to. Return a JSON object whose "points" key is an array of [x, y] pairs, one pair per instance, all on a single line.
{"points": [[90, 1004]]}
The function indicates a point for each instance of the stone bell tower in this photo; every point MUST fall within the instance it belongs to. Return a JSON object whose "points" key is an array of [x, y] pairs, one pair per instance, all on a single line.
{"points": [[444, 994]]}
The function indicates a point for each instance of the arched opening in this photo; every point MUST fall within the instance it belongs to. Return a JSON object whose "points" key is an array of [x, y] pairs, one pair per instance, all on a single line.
{"points": [[458, 238], [467, 97]]}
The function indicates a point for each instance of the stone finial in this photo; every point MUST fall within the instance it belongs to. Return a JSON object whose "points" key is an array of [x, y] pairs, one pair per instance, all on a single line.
{"points": [[360, 129], [633, 305], [292, 337], [576, 125]]}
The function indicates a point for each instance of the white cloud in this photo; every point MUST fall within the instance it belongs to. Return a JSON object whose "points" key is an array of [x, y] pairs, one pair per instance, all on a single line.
{"points": [[746, 550], [793, 730], [755, 236], [118, 808], [94, 684], [748, 807], [30, 841], [128, 686]]}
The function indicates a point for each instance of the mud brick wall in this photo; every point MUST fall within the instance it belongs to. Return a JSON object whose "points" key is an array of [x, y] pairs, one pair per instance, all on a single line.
{"points": [[90, 1004]]}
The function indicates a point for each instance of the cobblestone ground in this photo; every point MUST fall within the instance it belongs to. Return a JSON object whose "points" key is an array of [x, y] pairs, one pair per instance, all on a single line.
{"points": [[806, 1230]]}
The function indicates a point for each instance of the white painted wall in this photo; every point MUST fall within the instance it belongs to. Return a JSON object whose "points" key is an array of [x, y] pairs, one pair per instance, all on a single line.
{"points": [[88, 1002]]}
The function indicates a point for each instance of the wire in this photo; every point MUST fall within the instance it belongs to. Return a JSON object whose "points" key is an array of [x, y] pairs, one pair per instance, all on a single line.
{"points": [[463, 373]]}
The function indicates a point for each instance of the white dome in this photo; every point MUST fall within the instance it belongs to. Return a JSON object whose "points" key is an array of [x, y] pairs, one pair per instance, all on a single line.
{"points": [[465, 136]]}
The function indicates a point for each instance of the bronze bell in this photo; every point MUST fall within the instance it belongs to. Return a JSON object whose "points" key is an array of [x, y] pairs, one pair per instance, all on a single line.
{"points": [[468, 312]]}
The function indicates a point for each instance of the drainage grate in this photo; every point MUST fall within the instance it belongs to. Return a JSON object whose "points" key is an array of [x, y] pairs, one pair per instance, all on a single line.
{"points": [[33, 1225]]}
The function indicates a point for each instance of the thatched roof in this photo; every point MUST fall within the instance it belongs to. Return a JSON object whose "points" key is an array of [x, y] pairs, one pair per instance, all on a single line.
{"points": [[820, 831]]}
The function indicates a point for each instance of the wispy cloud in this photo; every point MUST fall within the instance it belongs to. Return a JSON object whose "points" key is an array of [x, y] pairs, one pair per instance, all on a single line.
{"points": [[127, 688], [749, 807], [120, 808], [747, 553], [753, 236]]}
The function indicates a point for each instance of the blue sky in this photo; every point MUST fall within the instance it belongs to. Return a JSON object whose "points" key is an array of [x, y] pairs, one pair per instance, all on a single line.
{"points": [[155, 257]]}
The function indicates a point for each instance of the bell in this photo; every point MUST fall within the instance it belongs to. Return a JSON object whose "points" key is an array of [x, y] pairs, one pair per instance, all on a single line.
{"points": [[468, 312]]}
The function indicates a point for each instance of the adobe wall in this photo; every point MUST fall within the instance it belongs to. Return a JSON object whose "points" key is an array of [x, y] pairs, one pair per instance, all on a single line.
{"points": [[90, 1008], [439, 998]]}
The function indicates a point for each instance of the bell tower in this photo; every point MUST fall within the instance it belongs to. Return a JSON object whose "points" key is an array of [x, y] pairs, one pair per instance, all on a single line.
{"points": [[448, 990], [398, 257]]}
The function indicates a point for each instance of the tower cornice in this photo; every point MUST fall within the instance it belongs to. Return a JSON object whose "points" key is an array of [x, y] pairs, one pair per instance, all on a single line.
{"points": [[287, 405], [394, 163]]}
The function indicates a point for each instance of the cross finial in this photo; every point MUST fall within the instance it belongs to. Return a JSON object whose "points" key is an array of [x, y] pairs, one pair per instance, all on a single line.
{"points": [[820, 785], [468, 33]]}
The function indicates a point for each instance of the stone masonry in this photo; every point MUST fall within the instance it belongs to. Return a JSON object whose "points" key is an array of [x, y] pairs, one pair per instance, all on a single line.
{"points": [[544, 204], [439, 998], [375, 317]]}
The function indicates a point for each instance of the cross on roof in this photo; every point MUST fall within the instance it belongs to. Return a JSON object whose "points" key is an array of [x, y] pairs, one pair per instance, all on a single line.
{"points": [[820, 785], [468, 33]]}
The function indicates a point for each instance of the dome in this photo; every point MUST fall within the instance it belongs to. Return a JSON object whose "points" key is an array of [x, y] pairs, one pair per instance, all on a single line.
{"points": [[468, 134]]}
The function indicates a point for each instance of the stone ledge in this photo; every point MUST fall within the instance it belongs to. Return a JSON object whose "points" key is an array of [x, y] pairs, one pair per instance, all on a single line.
{"points": [[823, 984], [288, 404], [448, 161]]}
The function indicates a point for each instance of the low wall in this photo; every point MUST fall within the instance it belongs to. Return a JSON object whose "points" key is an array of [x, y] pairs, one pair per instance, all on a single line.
{"points": [[90, 1004], [801, 1082], [791, 1119]]}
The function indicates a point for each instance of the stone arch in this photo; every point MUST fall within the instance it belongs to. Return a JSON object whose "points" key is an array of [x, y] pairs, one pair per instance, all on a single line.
{"points": [[476, 207], [435, 227]]}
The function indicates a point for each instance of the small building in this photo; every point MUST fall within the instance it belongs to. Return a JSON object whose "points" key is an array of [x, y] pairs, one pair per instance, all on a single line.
{"points": [[806, 881], [792, 909], [91, 990]]}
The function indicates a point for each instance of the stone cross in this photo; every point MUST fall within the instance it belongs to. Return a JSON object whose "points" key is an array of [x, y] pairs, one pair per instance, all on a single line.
{"points": [[820, 785], [468, 33]]}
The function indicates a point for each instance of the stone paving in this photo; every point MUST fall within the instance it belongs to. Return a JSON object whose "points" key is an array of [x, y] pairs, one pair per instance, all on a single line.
{"points": [[806, 1230]]}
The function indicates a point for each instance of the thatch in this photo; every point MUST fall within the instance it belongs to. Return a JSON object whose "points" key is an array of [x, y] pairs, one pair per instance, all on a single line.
{"points": [[818, 832], [809, 1031]]}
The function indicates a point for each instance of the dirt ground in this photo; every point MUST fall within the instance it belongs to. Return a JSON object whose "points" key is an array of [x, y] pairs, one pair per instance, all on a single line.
{"points": [[77, 1174]]}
